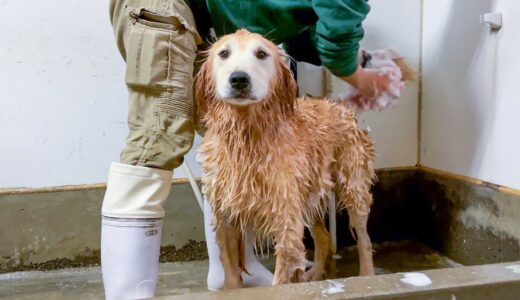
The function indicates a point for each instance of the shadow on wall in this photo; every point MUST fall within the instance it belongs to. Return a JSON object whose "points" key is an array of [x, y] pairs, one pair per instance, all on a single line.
{"points": [[462, 76]]}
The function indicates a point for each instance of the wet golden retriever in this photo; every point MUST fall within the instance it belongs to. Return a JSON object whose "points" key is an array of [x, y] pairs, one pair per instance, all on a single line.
{"points": [[270, 159]]}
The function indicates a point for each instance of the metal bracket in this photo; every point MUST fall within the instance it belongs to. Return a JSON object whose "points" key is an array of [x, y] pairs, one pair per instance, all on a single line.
{"points": [[493, 20]]}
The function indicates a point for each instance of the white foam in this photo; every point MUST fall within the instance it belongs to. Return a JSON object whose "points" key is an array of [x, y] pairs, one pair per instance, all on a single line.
{"points": [[514, 268], [416, 279], [334, 288]]}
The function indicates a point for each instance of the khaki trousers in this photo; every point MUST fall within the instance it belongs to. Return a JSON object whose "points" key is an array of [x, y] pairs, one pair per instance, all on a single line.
{"points": [[158, 40]]}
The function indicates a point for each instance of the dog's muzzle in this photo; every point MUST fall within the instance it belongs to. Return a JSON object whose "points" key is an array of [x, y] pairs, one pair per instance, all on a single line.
{"points": [[240, 83]]}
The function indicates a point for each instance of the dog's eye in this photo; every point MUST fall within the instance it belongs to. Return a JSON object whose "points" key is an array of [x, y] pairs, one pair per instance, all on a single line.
{"points": [[261, 54], [223, 54]]}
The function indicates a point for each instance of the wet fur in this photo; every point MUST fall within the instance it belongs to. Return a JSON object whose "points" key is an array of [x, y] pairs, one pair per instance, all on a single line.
{"points": [[269, 166]]}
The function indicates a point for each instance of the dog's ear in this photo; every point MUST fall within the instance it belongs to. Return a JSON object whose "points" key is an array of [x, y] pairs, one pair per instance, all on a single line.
{"points": [[204, 91], [285, 86]]}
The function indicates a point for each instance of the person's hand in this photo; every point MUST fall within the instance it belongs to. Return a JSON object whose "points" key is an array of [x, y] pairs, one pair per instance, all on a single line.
{"points": [[369, 83]]}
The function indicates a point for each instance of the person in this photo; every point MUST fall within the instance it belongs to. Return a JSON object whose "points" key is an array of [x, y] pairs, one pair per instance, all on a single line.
{"points": [[158, 39]]}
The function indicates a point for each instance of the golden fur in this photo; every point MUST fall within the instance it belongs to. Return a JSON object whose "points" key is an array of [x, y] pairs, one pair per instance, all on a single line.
{"points": [[408, 74], [268, 167]]}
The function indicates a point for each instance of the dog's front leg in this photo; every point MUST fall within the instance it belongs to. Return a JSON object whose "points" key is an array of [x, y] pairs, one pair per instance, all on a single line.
{"points": [[229, 242], [290, 252]]}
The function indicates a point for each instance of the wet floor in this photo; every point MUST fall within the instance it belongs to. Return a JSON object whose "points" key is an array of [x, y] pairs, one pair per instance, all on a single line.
{"points": [[391, 257], [189, 277]]}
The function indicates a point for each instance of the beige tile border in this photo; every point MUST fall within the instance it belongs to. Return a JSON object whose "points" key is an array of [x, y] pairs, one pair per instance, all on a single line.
{"points": [[428, 170]]}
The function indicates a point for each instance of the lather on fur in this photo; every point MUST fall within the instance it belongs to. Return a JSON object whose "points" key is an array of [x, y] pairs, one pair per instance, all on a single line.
{"points": [[270, 162]]}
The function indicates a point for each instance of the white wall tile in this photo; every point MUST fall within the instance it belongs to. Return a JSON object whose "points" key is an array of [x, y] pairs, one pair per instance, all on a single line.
{"points": [[471, 90]]}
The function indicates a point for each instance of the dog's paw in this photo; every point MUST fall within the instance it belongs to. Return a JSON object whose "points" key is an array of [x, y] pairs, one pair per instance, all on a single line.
{"points": [[298, 276], [315, 274]]}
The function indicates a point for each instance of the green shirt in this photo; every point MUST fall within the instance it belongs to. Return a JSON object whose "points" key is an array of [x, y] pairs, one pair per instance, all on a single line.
{"points": [[332, 28]]}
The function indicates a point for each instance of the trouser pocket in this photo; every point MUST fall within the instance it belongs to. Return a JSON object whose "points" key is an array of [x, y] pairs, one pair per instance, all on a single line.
{"points": [[160, 50]]}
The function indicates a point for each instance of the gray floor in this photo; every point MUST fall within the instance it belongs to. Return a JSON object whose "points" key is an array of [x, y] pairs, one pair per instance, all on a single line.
{"points": [[190, 277], [85, 283]]}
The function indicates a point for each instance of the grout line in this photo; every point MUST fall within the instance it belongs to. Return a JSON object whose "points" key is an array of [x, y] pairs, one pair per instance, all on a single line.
{"points": [[420, 84], [69, 188]]}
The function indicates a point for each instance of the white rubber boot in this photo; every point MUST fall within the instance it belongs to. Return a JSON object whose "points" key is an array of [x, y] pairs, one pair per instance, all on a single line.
{"points": [[131, 230], [260, 276], [130, 257]]}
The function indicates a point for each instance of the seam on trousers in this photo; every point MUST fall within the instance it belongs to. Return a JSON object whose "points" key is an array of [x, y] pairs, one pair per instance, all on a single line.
{"points": [[170, 57], [154, 133], [138, 57]]}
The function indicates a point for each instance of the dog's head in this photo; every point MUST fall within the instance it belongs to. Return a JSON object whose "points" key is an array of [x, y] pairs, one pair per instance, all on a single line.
{"points": [[245, 69]]}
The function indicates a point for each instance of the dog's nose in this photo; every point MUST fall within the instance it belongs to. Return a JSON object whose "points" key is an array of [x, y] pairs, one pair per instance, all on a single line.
{"points": [[239, 80]]}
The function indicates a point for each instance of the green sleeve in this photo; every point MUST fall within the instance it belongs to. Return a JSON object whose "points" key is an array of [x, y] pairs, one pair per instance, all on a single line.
{"points": [[338, 32]]}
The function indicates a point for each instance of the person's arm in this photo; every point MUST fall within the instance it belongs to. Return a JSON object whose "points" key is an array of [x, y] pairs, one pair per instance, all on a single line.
{"points": [[338, 32], [369, 83]]}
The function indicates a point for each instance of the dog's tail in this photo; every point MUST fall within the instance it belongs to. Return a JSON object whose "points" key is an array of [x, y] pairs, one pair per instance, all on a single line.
{"points": [[407, 72]]}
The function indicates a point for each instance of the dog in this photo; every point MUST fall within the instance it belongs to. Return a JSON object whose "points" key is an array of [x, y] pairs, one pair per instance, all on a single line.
{"points": [[270, 160]]}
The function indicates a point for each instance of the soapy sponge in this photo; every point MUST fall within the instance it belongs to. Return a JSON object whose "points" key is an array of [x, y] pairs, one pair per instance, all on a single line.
{"points": [[387, 62]]}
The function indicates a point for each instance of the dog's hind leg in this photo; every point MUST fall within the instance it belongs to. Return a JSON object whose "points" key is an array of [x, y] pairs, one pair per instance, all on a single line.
{"points": [[364, 245], [322, 251], [231, 251], [355, 196]]}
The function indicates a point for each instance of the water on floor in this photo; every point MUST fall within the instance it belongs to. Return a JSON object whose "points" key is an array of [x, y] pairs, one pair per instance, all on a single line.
{"points": [[391, 257], [189, 277]]}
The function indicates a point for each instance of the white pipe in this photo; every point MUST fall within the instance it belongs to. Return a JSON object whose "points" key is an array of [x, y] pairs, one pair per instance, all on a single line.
{"points": [[194, 185], [332, 221]]}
